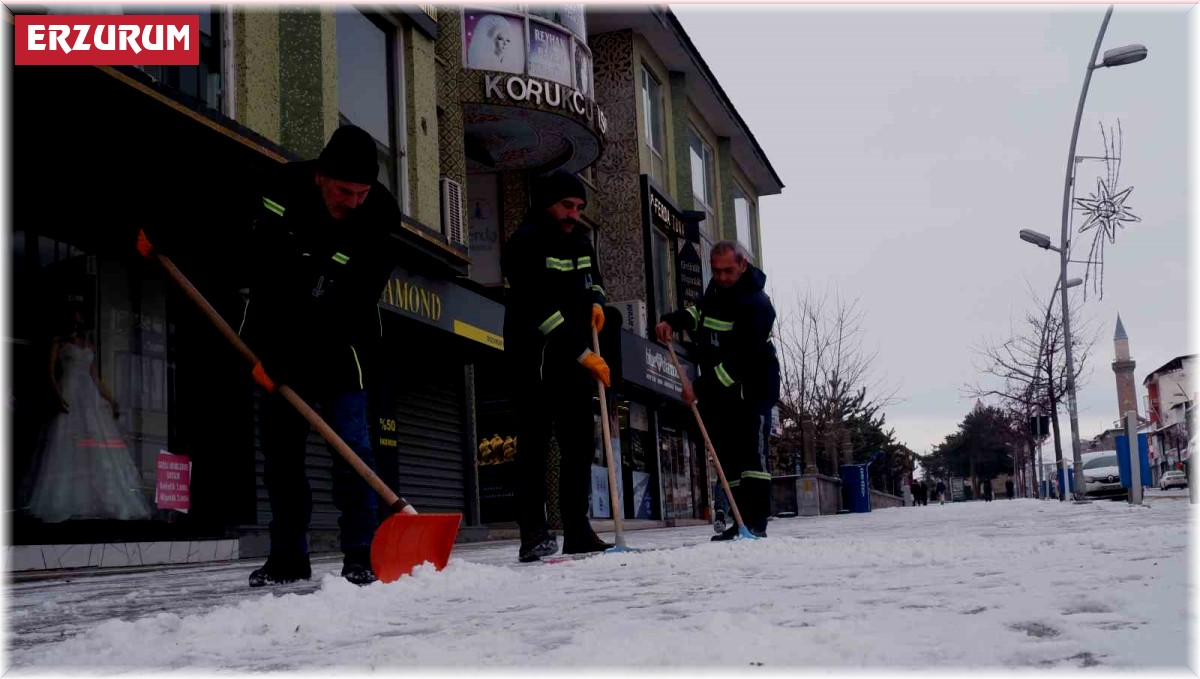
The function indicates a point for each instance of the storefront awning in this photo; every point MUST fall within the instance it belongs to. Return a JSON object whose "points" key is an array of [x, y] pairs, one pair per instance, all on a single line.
{"points": [[445, 305]]}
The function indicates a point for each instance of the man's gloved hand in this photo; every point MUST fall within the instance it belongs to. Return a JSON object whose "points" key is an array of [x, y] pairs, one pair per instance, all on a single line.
{"points": [[664, 331], [596, 366], [597, 317]]}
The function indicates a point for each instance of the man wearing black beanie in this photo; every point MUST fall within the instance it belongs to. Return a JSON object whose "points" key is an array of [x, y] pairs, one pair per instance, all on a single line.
{"points": [[554, 297], [322, 256]]}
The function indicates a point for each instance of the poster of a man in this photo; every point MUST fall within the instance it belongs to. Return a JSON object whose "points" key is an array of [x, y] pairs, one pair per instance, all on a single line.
{"points": [[495, 42]]}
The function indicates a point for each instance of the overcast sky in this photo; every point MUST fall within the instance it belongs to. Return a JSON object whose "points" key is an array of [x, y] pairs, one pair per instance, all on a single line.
{"points": [[916, 143]]}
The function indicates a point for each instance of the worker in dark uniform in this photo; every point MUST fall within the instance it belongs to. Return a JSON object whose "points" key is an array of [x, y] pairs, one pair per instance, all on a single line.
{"points": [[322, 255], [738, 384], [554, 297]]}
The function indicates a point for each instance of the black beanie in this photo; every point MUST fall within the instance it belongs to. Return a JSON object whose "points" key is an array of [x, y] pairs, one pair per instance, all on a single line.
{"points": [[554, 187], [350, 156]]}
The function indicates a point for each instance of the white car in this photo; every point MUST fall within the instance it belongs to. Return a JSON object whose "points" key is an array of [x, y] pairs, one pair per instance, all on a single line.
{"points": [[1102, 476], [1173, 479]]}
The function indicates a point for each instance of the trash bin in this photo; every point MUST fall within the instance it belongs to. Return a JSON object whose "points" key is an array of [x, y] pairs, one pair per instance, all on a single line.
{"points": [[856, 487]]}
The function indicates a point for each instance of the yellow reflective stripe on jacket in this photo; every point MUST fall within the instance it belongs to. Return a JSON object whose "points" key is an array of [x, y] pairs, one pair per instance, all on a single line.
{"points": [[551, 323], [273, 206], [695, 314], [357, 365], [718, 325], [583, 262], [756, 475], [597, 288], [507, 285], [340, 258], [559, 264], [735, 483], [723, 376]]}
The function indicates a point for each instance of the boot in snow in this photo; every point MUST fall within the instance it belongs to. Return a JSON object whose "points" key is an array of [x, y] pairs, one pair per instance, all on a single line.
{"points": [[281, 570], [535, 545], [356, 567], [583, 541]]}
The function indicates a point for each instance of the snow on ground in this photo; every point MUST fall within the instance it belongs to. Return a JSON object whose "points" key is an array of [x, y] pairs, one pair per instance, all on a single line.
{"points": [[1018, 583]]}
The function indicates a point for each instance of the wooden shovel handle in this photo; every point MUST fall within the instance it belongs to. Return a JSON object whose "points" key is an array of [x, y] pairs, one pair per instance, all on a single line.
{"points": [[737, 515], [614, 500], [389, 497]]}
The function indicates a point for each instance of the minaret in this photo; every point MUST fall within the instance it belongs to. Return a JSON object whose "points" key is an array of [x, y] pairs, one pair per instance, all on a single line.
{"points": [[1123, 366]]}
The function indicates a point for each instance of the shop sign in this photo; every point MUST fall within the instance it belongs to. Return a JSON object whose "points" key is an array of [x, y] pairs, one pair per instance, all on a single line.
{"points": [[445, 305], [664, 214], [649, 366], [689, 272], [173, 490], [544, 93]]}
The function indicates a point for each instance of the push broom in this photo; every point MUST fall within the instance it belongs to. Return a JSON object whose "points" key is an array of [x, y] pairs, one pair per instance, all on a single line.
{"points": [[743, 532]]}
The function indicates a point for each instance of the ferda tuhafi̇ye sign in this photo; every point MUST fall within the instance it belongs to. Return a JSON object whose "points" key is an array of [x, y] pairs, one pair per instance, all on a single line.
{"points": [[445, 305]]}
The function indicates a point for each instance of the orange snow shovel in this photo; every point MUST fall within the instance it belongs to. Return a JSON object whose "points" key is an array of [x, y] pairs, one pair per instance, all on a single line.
{"points": [[404, 540]]}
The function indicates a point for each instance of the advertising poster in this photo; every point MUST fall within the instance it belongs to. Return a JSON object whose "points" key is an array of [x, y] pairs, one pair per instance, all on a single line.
{"points": [[642, 497], [483, 224], [494, 42], [550, 54], [583, 72], [600, 503], [173, 489], [567, 16]]}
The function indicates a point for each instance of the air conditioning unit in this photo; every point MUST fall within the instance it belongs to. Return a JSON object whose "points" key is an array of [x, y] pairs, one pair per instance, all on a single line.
{"points": [[453, 215], [633, 314]]}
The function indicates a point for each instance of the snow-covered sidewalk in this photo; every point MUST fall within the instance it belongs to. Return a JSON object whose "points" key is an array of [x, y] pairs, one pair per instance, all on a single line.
{"points": [[1016, 583]]}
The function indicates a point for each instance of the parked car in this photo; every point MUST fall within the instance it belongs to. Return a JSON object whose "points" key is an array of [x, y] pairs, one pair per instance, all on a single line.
{"points": [[1102, 477], [1173, 479]]}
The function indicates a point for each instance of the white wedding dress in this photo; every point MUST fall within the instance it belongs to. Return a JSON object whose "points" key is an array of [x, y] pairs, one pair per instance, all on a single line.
{"points": [[85, 470]]}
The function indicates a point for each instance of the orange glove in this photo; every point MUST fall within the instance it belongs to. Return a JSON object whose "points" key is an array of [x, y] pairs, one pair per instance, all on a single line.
{"points": [[596, 366], [597, 317]]}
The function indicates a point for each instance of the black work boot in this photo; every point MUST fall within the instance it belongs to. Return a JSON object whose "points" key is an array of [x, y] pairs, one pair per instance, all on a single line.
{"points": [[719, 522], [536, 544], [583, 540], [280, 570], [356, 567], [727, 534]]}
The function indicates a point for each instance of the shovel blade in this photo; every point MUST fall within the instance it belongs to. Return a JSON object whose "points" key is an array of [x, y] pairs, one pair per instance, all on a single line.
{"points": [[405, 541]]}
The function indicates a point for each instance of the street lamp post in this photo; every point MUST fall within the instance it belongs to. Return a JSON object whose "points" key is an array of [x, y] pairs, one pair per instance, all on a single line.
{"points": [[1115, 57]]}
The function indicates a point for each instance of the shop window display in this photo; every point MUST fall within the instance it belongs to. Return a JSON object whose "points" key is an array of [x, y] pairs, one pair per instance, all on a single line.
{"points": [[90, 395]]}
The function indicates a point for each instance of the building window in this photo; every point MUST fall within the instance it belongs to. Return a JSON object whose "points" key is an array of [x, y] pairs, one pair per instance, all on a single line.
{"points": [[652, 106], [665, 297], [370, 89], [202, 82], [745, 213], [704, 196]]}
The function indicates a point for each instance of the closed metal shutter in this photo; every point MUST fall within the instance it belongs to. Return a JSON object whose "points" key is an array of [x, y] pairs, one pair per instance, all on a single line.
{"points": [[430, 426]]}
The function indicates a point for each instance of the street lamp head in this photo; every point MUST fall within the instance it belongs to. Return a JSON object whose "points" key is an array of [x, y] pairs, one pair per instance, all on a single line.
{"points": [[1039, 239], [1129, 54], [1073, 282]]}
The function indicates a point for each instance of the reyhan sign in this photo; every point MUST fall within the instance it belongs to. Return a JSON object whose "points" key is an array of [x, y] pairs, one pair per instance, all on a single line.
{"points": [[545, 93]]}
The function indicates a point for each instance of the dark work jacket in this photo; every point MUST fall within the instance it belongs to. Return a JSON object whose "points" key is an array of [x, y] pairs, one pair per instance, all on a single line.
{"points": [[732, 331], [315, 282], [551, 281]]}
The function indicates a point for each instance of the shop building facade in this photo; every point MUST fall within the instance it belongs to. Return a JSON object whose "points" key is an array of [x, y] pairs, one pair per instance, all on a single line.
{"points": [[461, 131]]}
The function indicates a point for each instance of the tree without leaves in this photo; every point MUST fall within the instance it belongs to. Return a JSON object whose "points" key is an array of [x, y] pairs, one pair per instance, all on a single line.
{"points": [[826, 375], [1029, 369]]}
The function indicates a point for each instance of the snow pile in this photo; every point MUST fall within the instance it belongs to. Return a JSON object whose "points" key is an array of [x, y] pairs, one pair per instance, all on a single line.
{"points": [[1014, 584]]}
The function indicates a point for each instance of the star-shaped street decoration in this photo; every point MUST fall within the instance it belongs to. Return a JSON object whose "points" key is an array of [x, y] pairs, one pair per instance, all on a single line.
{"points": [[1106, 210]]}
